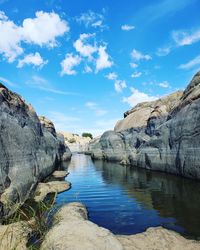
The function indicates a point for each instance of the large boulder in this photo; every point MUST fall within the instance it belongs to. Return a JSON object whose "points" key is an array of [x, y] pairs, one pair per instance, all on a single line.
{"points": [[162, 135], [30, 149], [72, 230]]}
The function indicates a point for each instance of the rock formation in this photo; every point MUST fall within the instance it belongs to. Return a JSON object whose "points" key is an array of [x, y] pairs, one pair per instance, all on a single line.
{"points": [[30, 149], [72, 230], [75, 142], [162, 135]]}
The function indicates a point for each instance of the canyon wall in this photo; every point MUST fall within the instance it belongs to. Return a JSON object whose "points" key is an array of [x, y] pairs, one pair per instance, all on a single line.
{"points": [[30, 149], [162, 135]]}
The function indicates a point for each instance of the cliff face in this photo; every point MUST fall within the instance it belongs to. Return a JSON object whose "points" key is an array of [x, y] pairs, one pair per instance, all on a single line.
{"points": [[162, 135], [29, 149]]}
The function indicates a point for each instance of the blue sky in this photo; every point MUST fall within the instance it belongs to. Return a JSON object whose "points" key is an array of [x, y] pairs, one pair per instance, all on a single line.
{"points": [[82, 63]]}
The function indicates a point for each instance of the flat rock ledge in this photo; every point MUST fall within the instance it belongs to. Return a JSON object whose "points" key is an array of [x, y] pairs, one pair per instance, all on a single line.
{"points": [[60, 174], [72, 230], [43, 189]]}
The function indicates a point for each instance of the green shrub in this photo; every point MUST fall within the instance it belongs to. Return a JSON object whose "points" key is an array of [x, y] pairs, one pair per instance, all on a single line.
{"points": [[87, 135]]}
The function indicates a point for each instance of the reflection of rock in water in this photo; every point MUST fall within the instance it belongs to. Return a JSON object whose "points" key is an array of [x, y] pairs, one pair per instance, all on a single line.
{"points": [[170, 195]]}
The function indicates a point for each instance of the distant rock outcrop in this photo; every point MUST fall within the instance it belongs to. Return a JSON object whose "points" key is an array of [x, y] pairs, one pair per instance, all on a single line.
{"points": [[30, 149], [75, 142], [161, 135]]}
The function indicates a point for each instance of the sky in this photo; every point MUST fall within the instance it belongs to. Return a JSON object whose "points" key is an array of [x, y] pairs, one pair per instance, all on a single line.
{"points": [[83, 63]]}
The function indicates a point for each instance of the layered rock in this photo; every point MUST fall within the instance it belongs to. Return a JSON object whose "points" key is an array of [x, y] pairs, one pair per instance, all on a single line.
{"points": [[75, 142], [161, 135], [30, 149]]}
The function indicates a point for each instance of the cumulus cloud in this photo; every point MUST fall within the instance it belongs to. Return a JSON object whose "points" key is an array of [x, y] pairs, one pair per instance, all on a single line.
{"points": [[92, 19], [120, 85], [10, 42], [69, 63], [191, 64], [136, 74], [93, 54], [138, 97], [41, 30], [103, 61], [83, 47], [127, 27], [32, 59], [137, 56], [44, 28], [112, 76]]}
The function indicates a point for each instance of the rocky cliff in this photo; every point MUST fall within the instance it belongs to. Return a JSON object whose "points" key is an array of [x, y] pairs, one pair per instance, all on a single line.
{"points": [[163, 135], [30, 149]]}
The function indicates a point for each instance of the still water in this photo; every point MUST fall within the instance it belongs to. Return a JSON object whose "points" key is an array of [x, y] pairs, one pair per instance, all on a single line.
{"points": [[128, 200]]}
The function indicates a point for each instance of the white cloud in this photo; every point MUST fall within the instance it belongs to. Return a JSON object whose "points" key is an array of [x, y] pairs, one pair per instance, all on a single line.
{"points": [[98, 111], [137, 56], [34, 59], [91, 19], [183, 38], [191, 64], [10, 42], [138, 97], [84, 48], [136, 74], [164, 84], [127, 27], [112, 76], [163, 51], [103, 61], [133, 65], [69, 63], [120, 85], [41, 30]]}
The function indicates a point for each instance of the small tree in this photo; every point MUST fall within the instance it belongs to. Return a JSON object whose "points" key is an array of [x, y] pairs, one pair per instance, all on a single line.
{"points": [[87, 135]]}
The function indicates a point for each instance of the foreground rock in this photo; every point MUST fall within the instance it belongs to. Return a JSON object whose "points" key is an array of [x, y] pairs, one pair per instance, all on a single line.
{"points": [[162, 135], [30, 150], [72, 230], [75, 142], [14, 236], [157, 239], [43, 189]]}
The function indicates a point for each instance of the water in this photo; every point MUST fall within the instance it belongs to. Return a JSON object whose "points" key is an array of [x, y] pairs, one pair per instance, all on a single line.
{"points": [[128, 200]]}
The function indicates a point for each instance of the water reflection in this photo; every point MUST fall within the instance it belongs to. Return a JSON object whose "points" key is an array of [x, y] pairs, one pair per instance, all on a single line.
{"points": [[129, 200]]}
